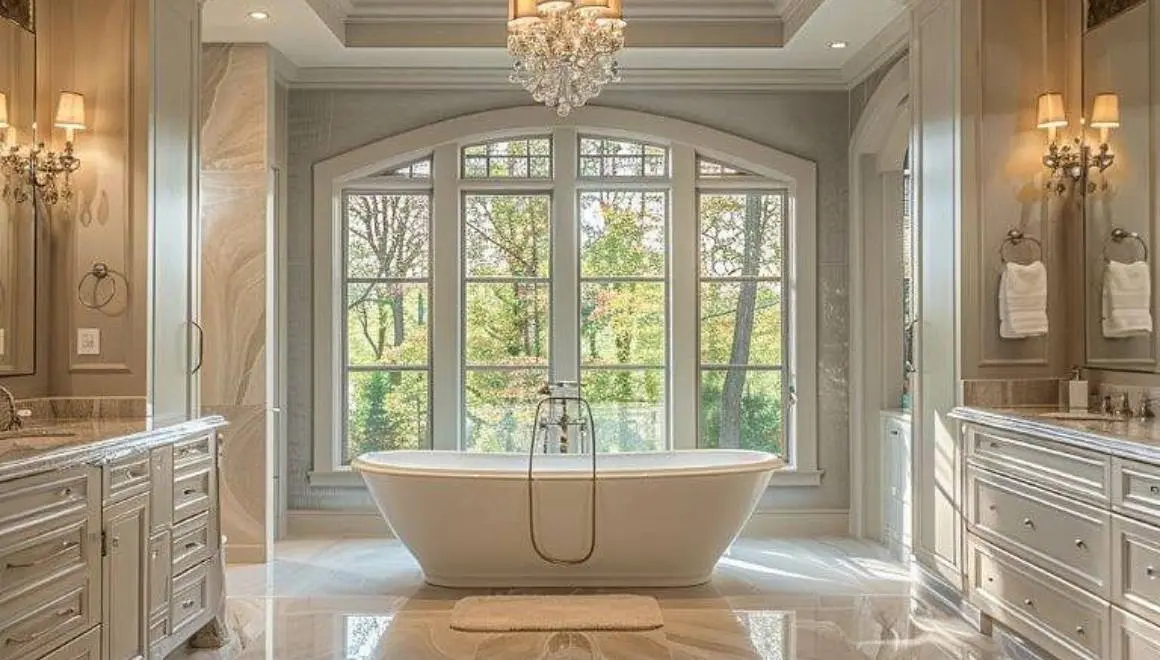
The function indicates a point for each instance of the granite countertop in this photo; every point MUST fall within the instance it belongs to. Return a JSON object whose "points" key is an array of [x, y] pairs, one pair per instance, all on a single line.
{"points": [[1133, 439], [52, 444]]}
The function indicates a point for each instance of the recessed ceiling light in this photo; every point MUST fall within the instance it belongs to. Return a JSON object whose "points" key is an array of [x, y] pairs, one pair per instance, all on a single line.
{"points": [[260, 15], [839, 45]]}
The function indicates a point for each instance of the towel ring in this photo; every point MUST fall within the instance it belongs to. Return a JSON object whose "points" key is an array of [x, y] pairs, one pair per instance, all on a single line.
{"points": [[1015, 237], [99, 274], [1118, 236]]}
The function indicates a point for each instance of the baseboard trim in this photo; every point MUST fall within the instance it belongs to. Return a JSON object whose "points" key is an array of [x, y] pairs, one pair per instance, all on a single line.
{"points": [[245, 554], [812, 523]]}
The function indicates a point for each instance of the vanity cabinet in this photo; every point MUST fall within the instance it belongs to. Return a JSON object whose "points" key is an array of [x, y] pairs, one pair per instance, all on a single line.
{"points": [[113, 558], [1063, 542]]}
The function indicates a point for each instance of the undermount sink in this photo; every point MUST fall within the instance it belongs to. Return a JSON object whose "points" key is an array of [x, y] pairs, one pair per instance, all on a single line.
{"points": [[1082, 416]]}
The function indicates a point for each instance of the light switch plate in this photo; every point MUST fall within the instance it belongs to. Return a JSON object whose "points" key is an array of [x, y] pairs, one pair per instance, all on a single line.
{"points": [[88, 341]]}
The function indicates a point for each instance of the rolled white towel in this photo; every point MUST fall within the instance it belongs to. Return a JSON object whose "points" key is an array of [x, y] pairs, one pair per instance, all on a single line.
{"points": [[1127, 300], [1023, 301]]}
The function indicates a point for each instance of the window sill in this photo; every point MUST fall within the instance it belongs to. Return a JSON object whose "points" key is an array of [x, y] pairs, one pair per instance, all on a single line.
{"points": [[788, 478]]}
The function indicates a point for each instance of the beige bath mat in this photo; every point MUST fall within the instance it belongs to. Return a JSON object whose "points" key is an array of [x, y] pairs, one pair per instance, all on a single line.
{"points": [[497, 614]]}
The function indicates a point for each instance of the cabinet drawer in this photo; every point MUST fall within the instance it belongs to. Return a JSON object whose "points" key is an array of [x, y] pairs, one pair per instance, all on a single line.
{"points": [[47, 500], [1060, 535], [160, 574], [1064, 620], [85, 647], [159, 629], [1136, 568], [127, 477], [33, 561], [31, 626], [1070, 471], [192, 543], [192, 494], [191, 596], [1136, 490], [193, 455]]}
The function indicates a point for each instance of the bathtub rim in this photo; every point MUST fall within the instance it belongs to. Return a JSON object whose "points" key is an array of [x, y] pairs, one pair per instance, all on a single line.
{"points": [[771, 463]]}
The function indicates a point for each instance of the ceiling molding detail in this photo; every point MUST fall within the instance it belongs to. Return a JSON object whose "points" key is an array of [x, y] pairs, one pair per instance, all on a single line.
{"points": [[427, 79], [333, 14], [475, 10], [884, 47], [796, 14]]}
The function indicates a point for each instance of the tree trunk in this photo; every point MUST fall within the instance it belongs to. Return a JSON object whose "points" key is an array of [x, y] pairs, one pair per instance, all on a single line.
{"points": [[734, 390], [397, 313]]}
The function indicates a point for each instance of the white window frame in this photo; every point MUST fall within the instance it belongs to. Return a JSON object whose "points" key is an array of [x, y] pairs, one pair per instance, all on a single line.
{"points": [[686, 141]]}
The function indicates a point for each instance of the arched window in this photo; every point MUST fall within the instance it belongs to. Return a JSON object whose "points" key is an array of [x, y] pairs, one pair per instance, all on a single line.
{"points": [[661, 273]]}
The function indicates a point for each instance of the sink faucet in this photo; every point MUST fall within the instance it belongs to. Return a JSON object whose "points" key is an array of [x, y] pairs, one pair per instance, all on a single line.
{"points": [[11, 420]]}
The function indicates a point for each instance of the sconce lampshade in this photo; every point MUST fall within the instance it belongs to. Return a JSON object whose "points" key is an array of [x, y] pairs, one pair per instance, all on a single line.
{"points": [[1106, 111], [70, 113], [1051, 111], [3, 110]]}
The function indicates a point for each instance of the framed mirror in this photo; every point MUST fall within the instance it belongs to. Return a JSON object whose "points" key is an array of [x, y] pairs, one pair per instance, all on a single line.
{"points": [[18, 227], [1121, 219]]}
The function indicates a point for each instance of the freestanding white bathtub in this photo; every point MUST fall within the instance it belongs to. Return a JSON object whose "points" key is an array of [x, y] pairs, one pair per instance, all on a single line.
{"points": [[662, 519]]}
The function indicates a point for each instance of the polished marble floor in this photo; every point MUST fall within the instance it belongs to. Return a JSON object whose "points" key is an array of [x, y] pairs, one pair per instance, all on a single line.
{"points": [[770, 600]]}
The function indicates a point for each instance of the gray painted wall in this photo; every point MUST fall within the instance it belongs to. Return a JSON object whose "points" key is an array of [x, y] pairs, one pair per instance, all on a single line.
{"points": [[813, 125]]}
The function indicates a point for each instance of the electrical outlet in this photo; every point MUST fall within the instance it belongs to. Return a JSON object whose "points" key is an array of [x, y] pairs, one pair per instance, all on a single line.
{"points": [[88, 341]]}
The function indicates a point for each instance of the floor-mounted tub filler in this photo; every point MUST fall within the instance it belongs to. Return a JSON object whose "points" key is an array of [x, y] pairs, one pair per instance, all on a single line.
{"points": [[554, 518]]}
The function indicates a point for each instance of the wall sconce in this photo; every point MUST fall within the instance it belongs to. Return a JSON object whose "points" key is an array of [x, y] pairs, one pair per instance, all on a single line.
{"points": [[45, 171], [1074, 160]]}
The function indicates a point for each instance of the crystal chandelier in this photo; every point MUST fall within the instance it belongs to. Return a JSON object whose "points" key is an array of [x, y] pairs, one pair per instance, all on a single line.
{"points": [[565, 50]]}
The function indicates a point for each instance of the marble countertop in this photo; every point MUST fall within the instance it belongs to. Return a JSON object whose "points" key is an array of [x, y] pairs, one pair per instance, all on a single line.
{"points": [[1133, 439], [52, 444]]}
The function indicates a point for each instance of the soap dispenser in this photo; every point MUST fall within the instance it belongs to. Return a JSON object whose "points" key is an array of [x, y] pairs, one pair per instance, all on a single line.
{"points": [[1077, 391]]}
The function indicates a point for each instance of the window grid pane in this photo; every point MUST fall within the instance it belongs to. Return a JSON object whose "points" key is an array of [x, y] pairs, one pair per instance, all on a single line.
{"points": [[609, 158], [711, 169], [387, 332], [420, 169], [525, 158], [629, 407], [743, 385]]}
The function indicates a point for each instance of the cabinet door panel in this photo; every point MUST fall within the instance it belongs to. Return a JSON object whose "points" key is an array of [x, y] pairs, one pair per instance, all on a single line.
{"points": [[126, 579]]}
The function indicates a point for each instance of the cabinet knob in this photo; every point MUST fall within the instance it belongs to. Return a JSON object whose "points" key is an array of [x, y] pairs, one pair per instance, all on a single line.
{"points": [[66, 492], [1155, 490], [115, 542], [188, 604], [1079, 543], [1029, 523], [1029, 603], [1080, 631], [1151, 572]]}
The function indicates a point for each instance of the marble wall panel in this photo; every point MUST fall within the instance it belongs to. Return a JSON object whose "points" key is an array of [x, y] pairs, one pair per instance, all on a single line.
{"points": [[813, 125], [236, 211]]}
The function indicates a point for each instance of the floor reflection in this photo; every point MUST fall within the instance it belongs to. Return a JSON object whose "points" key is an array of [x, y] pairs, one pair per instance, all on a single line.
{"points": [[770, 600]]}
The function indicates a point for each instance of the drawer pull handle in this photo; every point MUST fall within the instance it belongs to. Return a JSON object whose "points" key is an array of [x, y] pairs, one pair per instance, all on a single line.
{"points": [[1029, 603], [1080, 631], [188, 604], [189, 491], [28, 639], [993, 444], [1155, 490], [193, 545], [65, 548], [66, 493], [1029, 523], [1079, 543], [1151, 572]]}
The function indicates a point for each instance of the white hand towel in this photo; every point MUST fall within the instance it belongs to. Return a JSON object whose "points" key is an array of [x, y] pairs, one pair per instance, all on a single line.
{"points": [[1023, 301], [1127, 301]]}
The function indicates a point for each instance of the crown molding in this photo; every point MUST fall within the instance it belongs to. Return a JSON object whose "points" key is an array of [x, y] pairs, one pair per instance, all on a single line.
{"points": [[796, 13], [486, 79], [477, 10], [883, 48]]}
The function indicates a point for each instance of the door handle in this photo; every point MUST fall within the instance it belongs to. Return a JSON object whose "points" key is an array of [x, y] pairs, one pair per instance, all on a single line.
{"points": [[200, 347]]}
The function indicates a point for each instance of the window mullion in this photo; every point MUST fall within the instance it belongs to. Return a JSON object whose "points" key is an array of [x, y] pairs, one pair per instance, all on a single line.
{"points": [[445, 355], [684, 266], [565, 260]]}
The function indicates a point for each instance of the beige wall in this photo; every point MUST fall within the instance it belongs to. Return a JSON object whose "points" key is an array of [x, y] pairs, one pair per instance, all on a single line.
{"points": [[237, 161], [87, 46]]}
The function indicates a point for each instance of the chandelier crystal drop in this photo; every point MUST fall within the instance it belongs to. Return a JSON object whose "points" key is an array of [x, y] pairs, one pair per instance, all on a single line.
{"points": [[565, 50]]}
